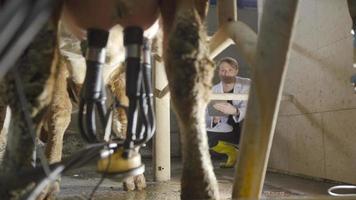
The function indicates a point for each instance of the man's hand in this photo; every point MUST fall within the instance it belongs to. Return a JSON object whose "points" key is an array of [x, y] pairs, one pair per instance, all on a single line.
{"points": [[216, 120], [226, 108]]}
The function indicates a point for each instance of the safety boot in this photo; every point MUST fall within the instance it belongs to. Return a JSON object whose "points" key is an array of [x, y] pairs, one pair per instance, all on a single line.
{"points": [[230, 150]]}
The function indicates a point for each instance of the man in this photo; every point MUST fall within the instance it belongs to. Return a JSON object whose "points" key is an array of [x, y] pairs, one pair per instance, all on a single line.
{"points": [[224, 130]]}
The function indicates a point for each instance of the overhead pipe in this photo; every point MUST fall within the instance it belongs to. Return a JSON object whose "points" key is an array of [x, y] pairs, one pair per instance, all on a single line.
{"points": [[231, 29], [228, 96], [219, 42], [227, 11]]}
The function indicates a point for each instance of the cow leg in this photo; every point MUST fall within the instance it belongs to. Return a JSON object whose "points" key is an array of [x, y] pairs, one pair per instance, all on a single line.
{"points": [[118, 88], [57, 121], [135, 182], [36, 70], [189, 72], [59, 116]]}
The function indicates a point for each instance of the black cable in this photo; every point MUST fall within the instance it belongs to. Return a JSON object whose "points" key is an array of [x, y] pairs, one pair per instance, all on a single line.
{"points": [[147, 84], [90, 120], [81, 122], [145, 123], [28, 121], [51, 175], [103, 176], [87, 119], [97, 186], [145, 98], [86, 155], [102, 112], [46, 181], [150, 111], [37, 174]]}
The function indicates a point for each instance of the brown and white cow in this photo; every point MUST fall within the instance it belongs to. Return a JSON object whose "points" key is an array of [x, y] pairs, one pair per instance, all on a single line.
{"points": [[188, 67]]}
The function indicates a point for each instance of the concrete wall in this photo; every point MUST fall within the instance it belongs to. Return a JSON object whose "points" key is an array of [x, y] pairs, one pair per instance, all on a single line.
{"points": [[316, 129]]}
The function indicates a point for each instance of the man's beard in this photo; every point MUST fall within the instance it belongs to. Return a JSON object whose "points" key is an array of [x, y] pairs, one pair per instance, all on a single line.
{"points": [[228, 79]]}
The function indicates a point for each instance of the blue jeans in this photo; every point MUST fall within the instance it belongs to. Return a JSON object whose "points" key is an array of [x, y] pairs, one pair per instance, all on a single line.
{"points": [[231, 137]]}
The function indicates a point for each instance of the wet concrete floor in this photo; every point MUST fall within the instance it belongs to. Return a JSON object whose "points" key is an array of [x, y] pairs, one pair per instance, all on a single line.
{"points": [[79, 183]]}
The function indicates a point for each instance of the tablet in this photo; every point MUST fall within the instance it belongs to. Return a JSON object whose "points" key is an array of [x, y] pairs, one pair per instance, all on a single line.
{"points": [[214, 112]]}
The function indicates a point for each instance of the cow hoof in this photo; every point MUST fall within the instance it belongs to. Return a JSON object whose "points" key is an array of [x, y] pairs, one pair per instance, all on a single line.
{"points": [[50, 192], [140, 182], [129, 184], [135, 182]]}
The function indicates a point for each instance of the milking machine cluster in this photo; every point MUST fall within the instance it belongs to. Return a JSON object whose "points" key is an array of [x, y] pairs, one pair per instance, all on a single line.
{"points": [[118, 156]]}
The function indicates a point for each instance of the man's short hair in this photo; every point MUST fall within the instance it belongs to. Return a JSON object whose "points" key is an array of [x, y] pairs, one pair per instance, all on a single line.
{"points": [[231, 61]]}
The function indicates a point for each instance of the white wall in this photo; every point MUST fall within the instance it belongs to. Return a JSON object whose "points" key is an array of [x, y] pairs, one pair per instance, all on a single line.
{"points": [[316, 128]]}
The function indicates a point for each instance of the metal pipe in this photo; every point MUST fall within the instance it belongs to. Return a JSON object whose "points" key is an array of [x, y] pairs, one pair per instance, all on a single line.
{"points": [[231, 28], [235, 32], [161, 142], [219, 42], [227, 11], [265, 95], [243, 97], [245, 39], [228, 96]]}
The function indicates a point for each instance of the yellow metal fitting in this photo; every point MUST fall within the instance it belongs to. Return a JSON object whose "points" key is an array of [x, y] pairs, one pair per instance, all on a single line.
{"points": [[116, 163]]}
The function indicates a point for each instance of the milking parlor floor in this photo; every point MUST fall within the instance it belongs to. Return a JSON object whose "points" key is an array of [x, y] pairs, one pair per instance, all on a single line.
{"points": [[78, 184]]}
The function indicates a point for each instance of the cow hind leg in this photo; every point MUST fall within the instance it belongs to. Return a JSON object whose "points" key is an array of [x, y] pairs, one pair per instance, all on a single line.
{"points": [[189, 73], [59, 117], [36, 71], [118, 88], [57, 122]]}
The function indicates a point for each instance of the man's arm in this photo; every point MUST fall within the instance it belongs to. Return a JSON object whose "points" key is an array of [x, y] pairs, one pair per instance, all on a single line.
{"points": [[242, 105], [241, 111], [208, 119]]}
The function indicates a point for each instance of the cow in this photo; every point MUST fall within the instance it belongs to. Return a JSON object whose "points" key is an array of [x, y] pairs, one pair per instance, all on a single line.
{"points": [[188, 66]]}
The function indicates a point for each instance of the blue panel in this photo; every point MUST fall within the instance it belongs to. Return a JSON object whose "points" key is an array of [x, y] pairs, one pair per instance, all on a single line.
{"points": [[240, 3], [213, 2], [247, 3]]}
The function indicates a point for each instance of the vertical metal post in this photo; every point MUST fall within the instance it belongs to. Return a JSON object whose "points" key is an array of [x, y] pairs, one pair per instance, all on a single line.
{"points": [[265, 94], [162, 139]]}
